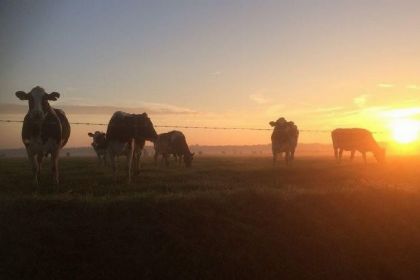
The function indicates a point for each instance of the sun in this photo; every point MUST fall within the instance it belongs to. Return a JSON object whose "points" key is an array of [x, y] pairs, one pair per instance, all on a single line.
{"points": [[405, 131]]}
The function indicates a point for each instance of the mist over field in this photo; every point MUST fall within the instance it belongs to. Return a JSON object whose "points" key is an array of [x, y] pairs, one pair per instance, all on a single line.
{"points": [[240, 139]]}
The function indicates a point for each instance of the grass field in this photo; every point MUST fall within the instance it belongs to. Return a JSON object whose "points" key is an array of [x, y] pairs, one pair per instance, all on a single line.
{"points": [[225, 218]]}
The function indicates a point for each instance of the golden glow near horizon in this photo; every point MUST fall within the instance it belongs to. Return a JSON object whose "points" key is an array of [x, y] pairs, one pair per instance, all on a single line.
{"points": [[405, 131], [321, 64], [403, 125]]}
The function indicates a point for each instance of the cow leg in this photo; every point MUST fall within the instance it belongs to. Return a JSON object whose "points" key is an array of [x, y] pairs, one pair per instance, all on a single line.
{"points": [[130, 156], [113, 164], [364, 157], [155, 157], [287, 157], [99, 159], [54, 166], [35, 168], [39, 163], [273, 150], [104, 159], [340, 155], [352, 154], [336, 154], [136, 162], [166, 160], [274, 158]]}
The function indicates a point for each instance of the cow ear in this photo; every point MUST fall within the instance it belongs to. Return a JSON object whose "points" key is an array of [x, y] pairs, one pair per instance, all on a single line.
{"points": [[53, 96], [272, 123], [22, 95], [90, 134]]}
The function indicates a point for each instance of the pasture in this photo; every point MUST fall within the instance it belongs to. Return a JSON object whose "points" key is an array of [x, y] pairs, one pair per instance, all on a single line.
{"points": [[224, 218]]}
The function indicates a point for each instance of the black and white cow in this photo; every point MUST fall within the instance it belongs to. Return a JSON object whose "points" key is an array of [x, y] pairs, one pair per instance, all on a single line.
{"points": [[173, 143], [99, 145], [126, 135], [45, 130]]}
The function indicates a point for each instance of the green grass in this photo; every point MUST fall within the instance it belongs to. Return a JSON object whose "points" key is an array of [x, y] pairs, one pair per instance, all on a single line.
{"points": [[225, 218]]}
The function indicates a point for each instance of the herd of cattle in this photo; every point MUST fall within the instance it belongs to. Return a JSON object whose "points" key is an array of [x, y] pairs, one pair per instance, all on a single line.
{"points": [[46, 130]]}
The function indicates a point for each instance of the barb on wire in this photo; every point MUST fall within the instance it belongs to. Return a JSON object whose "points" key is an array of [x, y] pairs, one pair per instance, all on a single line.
{"points": [[199, 127]]}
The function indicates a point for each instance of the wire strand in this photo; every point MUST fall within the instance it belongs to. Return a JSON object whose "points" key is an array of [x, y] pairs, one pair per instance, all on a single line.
{"points": [[198, 127]]}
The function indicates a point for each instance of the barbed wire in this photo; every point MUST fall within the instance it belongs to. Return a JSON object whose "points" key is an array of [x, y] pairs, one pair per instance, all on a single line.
{"points": [[198, 127]]}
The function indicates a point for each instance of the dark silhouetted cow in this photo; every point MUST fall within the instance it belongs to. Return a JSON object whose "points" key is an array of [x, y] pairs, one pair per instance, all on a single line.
{"points": [[173, 143], [126, 135], [99, 145], [45, 130], [355, 139], [284, 139]]}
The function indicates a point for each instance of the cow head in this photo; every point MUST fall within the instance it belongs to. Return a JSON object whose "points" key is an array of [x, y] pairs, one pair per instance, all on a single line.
{"points": [[38, 102], [99, 139], [280, 122], [188, 159], [143, 127]]}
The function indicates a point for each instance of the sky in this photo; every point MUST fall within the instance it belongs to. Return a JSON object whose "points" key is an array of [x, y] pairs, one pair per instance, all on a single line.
{"points": [[321, 64]]}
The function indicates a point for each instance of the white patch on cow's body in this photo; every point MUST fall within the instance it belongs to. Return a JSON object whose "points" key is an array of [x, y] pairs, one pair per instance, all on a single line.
{"points": [[37, 99], [50, 146], [36, 146], [121, 114]]}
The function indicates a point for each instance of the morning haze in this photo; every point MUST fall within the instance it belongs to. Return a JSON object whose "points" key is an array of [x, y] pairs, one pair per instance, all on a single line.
{"points": [[322, 64], [210, 139]]}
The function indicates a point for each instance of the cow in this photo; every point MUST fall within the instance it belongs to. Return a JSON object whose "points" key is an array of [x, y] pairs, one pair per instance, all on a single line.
{"points": [[173, 143], [126, 135], [284, 139], [355, 139], [99, 145], [45, 130]]}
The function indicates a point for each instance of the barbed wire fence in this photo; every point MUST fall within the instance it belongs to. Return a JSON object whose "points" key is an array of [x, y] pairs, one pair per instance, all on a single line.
{"points": [[199, 127]]}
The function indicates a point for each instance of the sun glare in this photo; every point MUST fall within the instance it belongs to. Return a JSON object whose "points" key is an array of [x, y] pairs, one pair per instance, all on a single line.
{"points": [[405, 131]]}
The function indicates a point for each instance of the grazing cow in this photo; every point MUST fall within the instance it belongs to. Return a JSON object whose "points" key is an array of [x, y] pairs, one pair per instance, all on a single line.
{"points": [[284, 139], [45, 130], [99, 145], [355, 139], [126, 135], [174, 143]]}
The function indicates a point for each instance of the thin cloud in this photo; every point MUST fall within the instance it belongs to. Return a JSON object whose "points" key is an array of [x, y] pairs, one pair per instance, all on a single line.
{"points": [[360, 101], [385, 85], [258, 98], [216, 73], [413, 87], [168, 108]]}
